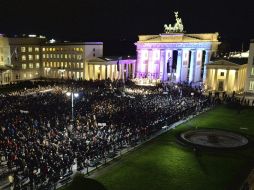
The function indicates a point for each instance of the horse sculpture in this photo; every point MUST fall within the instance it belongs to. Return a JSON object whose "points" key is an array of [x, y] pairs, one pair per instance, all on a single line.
{"points": [[178, 26]]}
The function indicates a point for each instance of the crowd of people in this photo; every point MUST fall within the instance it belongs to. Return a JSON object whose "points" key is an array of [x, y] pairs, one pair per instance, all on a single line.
{"points": [[40, 141]]}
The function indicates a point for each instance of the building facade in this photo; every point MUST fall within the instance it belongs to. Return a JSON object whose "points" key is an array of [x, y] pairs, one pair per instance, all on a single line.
{"points": [[175, 57], [5, 61], [34, 57], [249, 85], [26, 57], [102, 68], [69, 60], [226, 75]]}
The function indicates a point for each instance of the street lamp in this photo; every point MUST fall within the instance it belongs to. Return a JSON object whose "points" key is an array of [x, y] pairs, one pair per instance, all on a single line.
{"points": [[73, 95]]}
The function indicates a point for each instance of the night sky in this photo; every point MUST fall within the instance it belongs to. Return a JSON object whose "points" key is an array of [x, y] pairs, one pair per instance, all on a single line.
{"points": [[118, 23]]}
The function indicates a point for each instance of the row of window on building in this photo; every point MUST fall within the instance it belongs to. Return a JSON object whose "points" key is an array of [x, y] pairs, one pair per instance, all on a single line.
{"points": [[37, 49], [30, 57], [29, 49], [62, 56], [63, 49], [72, 65], [31, 65]]}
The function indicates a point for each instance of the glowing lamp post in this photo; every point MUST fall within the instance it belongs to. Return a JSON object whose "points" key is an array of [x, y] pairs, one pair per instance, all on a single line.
{"points": [[73, 95]]}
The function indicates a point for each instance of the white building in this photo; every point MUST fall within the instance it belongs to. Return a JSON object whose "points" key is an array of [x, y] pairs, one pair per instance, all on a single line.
{"points": [[249, 85], [5, 61], [69, 60], [102, 68], [175, 56]]}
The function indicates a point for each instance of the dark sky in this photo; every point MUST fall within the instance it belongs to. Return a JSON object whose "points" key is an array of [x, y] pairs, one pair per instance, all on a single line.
{"points": [[118, 23]]}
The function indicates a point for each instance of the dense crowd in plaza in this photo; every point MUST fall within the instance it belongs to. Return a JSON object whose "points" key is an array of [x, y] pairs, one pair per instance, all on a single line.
{"points": [[40, 142]]}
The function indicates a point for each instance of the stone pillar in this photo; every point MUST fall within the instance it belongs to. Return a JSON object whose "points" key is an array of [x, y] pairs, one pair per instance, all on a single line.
{"points": [[150, 64], [101, 77], [93, 72], [127, 71], [215, 79], [226, 81], [89, 74], [236, 81], [184, 68], [106, 71], [162, 65], [138, 65], [179, 66], [134, 69], [207, 60], [192, 65]]}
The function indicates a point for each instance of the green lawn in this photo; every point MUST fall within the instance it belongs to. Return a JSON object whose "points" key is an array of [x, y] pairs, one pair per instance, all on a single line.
{"points": [[162, 163]]}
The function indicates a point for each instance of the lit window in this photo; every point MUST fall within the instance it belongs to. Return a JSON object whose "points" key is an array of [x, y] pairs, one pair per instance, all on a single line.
{"points": [[69, 56], [58, 64], [53, 49], [252, 71], [81, 65], [36, 49], [65, 56], [23, 49], [222, 74], [77, 65], [57, 56], [37, 57], [37, 65], [50, 49], [30, 49], [43, 49], [43, 56], [43, 64], [79, 57], [23, 66], [30, 57], [51, 55], [81, 75], [62, 64], [54, 55], [51, 64], [31, 65], [251, 85], [24, 75], [23, 58], [30, 75], [65, 64], [61, 56]]}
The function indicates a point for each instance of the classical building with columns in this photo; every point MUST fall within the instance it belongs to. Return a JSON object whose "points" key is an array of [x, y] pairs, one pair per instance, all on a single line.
{"points": [[226, 75], [175, 57], [249, 86], [102, 68]]}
